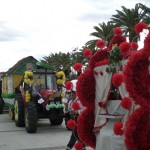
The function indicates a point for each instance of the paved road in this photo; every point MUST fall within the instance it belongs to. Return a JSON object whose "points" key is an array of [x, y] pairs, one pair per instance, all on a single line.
{"points": [[47, 137]]}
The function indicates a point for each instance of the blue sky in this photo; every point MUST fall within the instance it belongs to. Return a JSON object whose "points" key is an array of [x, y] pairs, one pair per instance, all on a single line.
{"points": [[40, 27]]}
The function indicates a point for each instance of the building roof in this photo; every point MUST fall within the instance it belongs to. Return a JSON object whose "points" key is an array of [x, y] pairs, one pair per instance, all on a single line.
{"points": [[16, 66]]}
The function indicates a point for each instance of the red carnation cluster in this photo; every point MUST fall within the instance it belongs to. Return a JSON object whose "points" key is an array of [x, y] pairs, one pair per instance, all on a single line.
{"points": [[77, 66], [100, 44], [78, 146], [103, 62], [118, 128], [125, 47], [126, 103], [86, 93], [117, 79], [134, 46], [71, 124], [137, 79], [137, 134], [75, 105], [140, 26], [97, 57], [68, 85], [87, 53], [86, 125], [117, 39], [118, 31]]}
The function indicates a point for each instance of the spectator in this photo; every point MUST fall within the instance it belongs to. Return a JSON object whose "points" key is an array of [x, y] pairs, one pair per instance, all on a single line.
{"points": [[74, 115]]}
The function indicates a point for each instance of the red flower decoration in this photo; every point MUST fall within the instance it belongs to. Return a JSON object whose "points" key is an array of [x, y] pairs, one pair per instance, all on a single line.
{"points": [[86, 125], [101, 104], [134, 46], [78, 146], [118, 31], [97, 57], [86, 88], [140, 26], [118, 128], [75, 106], [77, 66], [137, 78], [125, 47], [126, 103], [117, 39], [137, 133], [71, 124], [117, 79], [100, 44], [87, 53], [101, 73], [68, 85], [96, 73], [103, 62]]}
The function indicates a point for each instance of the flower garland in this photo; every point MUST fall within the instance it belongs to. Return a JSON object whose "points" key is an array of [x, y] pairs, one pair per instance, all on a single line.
{"points": [[61, 78], [57, 106], [86, 93], [85, 127], [28, 96], [28, 80], [98, 56], [137, 77], [28, 77], [137, 133]]}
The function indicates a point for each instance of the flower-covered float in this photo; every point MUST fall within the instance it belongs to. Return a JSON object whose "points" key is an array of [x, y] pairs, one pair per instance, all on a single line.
{"points": [[115, 89]]}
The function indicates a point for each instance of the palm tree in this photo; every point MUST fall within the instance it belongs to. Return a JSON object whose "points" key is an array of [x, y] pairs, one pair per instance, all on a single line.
{"points": [[127, 19], [64, 61], [146, 18], [58, 60], [104, 31]]}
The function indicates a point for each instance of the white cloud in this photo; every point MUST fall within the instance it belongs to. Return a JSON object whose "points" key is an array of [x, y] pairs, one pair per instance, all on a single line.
{"points": [[41, 27]]}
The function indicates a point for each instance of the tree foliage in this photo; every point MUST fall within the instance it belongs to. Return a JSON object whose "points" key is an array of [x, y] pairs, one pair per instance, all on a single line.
{"points": [[103, 31], [125, 18], [128, 18]]}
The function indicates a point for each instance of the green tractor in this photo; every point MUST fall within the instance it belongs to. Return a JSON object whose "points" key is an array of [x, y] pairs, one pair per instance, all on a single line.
{"points": [[38, 96]]}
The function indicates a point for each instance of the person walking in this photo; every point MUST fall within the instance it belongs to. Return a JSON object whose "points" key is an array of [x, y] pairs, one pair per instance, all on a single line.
{"points": [[74, 115]]}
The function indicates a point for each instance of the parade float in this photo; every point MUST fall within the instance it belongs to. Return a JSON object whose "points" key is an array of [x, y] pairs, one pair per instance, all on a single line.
{"points": [[37, 94], [114, 89]]}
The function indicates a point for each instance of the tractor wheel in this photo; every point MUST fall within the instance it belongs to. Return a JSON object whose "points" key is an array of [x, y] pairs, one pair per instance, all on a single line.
{"points": [[56, 116], [19, 111], [31, 117], [1, 105]]}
